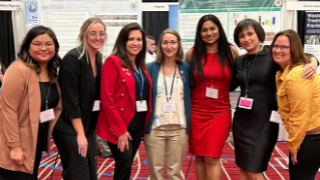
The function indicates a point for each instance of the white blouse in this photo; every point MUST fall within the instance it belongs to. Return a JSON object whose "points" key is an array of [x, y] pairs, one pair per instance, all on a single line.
{"points": [[177, 118]]}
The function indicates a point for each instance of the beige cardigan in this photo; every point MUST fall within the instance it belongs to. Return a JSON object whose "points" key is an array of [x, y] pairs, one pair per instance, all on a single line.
{"points": [[20, 103]]}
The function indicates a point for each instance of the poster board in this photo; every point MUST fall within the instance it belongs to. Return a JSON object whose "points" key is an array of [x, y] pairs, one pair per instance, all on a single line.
{"points": [[267, 12], [65, 17]]}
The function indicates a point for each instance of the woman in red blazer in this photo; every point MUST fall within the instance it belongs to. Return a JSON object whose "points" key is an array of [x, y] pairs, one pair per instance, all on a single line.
{"points": [[125, 98]]}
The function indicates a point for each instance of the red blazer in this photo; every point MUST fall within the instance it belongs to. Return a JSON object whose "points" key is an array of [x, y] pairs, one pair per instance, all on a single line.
{"points": [[117, 97]]}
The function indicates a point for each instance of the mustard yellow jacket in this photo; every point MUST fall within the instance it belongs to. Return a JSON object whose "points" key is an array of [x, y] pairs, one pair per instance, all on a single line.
{"points": [[299, 104]]}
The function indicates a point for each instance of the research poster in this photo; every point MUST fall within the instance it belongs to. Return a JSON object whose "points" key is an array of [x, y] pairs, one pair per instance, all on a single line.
{"points": [[230, 12], [31, 14], [65, 17], [312, 34]]}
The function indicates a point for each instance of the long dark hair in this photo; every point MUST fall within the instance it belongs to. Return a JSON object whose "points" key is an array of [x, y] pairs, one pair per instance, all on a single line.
{"points": [[120, 46], [200, 50], [24, 55]]}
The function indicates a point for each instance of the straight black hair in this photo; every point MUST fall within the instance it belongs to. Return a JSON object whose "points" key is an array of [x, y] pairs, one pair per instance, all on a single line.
{"points": [[200, 50]]}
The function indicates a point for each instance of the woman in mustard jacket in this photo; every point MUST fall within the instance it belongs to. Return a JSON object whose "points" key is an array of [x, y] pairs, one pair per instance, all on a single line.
{"points": [[299, 105]]}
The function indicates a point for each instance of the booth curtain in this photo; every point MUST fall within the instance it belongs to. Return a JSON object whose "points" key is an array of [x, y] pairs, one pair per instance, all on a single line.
{"points": [[154, 22], [7, 52], [301, 24]]}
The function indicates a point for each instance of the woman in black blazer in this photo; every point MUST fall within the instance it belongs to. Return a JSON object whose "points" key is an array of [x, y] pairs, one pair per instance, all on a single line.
{"points": [[80, 87]]}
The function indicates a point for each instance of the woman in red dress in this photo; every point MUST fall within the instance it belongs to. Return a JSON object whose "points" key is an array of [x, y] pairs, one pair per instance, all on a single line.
{"points": [[211, 62]]}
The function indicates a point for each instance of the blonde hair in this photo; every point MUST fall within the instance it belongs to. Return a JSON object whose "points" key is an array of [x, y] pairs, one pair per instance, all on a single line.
{"points": [[82, 40], [160, 55]]}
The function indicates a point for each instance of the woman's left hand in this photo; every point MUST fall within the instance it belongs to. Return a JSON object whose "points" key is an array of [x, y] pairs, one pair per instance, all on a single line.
{"points": [[309, 71], [294, 158]]}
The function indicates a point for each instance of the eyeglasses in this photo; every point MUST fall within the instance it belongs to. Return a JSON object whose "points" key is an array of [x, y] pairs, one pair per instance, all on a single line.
{"points": [[39, 45], [282, 48], [95, 34], [166, 43]]}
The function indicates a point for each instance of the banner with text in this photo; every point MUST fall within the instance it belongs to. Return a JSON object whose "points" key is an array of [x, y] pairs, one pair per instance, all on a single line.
{"points": [[312, 34]]}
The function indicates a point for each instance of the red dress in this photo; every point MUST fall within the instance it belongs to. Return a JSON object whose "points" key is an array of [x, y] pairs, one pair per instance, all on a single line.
{"points": [[210, 118]]}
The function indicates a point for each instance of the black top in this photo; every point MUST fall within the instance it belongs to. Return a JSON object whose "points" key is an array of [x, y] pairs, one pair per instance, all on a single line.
{"points": [[254, 135], [79, 90], [53, 96], [53, 101], [138, 119], [262, 82]]}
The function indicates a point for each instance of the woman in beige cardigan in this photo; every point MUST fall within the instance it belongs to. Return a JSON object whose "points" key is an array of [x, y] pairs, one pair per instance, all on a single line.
{"points": [[30, 105]]}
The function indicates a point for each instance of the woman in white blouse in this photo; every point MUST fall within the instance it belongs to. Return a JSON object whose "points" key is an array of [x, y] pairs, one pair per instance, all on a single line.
{"points": [[167, 131]]}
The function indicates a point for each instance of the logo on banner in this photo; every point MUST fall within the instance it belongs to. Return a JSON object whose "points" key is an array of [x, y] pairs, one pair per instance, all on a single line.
{"points": [[277, 2], [32, 8]]}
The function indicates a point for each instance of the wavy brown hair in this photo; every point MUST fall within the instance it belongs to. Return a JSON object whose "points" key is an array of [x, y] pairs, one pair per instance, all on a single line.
{"points": [[298, 57], [24, 55], [120, 46]]}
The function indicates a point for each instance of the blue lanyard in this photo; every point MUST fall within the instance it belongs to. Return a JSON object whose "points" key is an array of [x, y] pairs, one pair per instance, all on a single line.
{"points": [[165, 82], [142, 81]]}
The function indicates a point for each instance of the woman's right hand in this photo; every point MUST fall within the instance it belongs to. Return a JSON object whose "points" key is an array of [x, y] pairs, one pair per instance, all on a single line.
{"points": [[123, 141], [16, 155], [82, 144]]}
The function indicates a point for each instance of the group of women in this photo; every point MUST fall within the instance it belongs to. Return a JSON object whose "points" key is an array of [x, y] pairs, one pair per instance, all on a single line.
{"points": [[169, 102]]}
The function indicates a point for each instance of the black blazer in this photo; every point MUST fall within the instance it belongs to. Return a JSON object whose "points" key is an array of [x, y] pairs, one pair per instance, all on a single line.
{"points": [[79, 90]]}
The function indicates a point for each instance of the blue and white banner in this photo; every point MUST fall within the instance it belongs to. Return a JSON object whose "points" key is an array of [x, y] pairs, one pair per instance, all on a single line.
{"points": [[31, 14]]}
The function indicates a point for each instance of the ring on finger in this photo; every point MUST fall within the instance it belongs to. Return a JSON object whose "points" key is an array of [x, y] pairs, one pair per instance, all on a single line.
{"points": [[82, 147]]}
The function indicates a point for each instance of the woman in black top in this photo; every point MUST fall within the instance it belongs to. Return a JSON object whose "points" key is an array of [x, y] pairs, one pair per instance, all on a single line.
{"points": [[80, 85], [255, 136]]}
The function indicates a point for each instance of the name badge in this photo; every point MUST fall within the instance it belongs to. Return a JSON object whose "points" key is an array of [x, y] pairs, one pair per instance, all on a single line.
{"points": [[275, 117], [141, 106], [96, 105], [47, 115], [245, 103], [212, 93], [169, 107]]}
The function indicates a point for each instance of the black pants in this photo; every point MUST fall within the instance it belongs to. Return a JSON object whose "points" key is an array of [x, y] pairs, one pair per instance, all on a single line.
{"points": [[75, 166], [41, 144], [308, 158], [124, 160]]}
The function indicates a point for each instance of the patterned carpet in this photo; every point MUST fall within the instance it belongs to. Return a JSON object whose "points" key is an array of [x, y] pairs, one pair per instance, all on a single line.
{"points": [[277, 169]]}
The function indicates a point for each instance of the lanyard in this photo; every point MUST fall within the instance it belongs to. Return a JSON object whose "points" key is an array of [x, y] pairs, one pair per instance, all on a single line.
{"points": [[47, 95], [246, 81], [172, 83], [212, 74], [142, 81]]}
